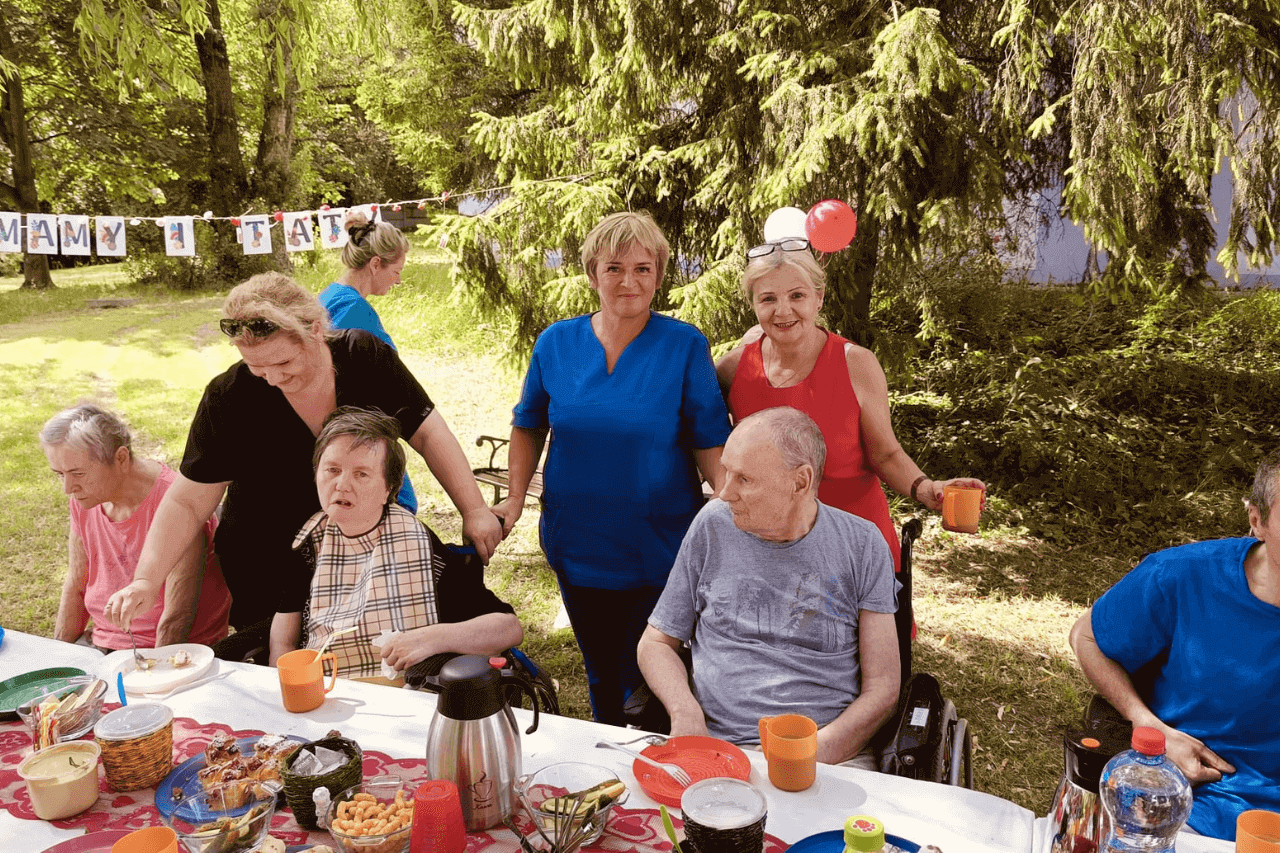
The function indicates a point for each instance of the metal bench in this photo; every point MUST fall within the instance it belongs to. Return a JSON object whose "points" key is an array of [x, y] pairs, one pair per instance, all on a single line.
{"points": [[499, 477]]}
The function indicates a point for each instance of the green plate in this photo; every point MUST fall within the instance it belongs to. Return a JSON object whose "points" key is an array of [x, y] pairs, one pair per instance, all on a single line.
{"points": [[14, 691]]}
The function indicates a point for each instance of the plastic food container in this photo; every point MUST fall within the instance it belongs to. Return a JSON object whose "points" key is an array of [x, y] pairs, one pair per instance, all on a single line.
{"points": [[137, 745], [385, 799], [538, 791], [71, 726], [227, 818], [62, 779]]}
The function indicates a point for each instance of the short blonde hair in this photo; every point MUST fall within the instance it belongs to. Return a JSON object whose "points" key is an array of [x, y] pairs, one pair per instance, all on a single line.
{"points": [[365, 241], [800, 264], [618, 230], [276, 297]]}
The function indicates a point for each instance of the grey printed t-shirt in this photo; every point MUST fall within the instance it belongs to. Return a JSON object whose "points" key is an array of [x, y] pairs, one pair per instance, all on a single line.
{"points": [[774, 627]]}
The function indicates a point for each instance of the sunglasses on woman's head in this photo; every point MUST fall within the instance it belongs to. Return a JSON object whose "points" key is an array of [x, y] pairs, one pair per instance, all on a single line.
{"points": [[793, 245], [259, 327]]}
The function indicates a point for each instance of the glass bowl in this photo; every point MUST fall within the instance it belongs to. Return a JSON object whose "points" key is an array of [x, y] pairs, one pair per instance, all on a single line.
{"points": [[230, 818], [71, 726], [384, 799], [566, 780]]}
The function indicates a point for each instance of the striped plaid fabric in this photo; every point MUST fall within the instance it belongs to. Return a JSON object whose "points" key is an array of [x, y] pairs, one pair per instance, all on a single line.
{"points": [[382, 580]]}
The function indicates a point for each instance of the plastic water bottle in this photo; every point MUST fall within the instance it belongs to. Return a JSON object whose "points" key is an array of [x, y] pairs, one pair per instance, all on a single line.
{"points": [[865, 834], [1145, 795]]}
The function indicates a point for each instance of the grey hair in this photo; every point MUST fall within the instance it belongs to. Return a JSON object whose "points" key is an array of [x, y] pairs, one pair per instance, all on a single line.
{"points": [[797, 437], [1263, 493], [90, 428], [801, 264], [383, 240], [365, 428]]}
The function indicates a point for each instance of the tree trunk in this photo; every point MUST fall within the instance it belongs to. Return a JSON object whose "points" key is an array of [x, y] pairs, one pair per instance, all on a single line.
{"points": [[851, 274], [273, 172], [13, 131], [228, 182]]}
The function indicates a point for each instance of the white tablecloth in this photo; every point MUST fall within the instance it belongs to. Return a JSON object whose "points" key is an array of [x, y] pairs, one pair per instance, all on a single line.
{"points": [[395, 722]]}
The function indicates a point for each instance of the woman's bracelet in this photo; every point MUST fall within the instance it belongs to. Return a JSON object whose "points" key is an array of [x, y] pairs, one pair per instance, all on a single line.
{"points": [[915, 485]]}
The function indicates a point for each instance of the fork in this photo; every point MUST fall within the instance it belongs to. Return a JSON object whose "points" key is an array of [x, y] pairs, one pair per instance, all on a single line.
{"points": [[137, 658], [652, 740], [675, 771]]}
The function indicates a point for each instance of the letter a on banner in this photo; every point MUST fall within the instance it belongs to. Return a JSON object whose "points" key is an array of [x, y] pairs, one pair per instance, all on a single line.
{"points": [[109, 233], [332, 234], [257, 234], [298, 232], [179, 241], [41, 233], [73, 231], [10, 232]]}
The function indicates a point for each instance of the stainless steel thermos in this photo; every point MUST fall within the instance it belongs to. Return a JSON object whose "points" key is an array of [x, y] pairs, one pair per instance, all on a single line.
{"points": [[473, 740]]}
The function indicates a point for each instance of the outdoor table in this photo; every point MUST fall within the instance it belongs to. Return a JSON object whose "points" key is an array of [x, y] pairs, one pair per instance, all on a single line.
{"points": [[391, 727]]}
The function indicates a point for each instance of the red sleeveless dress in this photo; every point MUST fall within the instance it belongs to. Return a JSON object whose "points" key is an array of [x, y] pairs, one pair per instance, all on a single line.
{"points": [[827, 396]]}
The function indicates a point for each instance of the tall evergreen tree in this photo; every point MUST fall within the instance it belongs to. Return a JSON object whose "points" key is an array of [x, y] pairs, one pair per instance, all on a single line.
{"points": [[712, 115]]}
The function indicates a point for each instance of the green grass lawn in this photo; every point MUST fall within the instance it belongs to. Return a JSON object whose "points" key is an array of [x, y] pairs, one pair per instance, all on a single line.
{"points": [[993, 610]]}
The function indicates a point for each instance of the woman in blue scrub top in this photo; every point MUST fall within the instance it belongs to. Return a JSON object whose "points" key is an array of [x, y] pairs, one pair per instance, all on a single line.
{"points": [[636, 422], [374, 257]]}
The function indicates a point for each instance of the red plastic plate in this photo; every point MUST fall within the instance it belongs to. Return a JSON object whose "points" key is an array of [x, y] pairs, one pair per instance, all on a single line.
{"points": [[701, 757]]}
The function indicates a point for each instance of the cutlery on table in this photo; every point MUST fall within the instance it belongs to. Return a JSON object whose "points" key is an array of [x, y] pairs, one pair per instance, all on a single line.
{"points": [[137, 658], [675, 771]]}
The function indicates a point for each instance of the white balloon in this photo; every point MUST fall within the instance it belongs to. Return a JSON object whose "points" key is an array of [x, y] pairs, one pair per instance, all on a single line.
{"points": [[785, 223]]}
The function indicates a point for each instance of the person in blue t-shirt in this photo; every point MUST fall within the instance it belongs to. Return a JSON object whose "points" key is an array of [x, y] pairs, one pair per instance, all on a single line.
{"points": [[1188, 643], [374, 257], [636, 423]]}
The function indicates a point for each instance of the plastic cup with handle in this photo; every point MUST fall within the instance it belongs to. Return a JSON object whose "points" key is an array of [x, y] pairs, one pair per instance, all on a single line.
{"points": [[302, 679], [1258, 831], [153, 839], [790, 744], [961, 506]]}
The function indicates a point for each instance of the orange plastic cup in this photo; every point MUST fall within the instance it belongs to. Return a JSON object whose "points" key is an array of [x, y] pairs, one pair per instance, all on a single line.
{"points": [[1258, 831], [302, 679], [961, 506], [153, 839], [790, 744]]}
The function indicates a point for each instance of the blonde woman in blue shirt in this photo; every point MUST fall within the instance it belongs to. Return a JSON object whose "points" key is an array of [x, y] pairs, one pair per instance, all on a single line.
{"points": [[636, 423]]}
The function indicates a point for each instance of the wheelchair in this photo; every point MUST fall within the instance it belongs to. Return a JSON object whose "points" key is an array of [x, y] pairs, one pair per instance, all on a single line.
{"points": [[925, 738]]}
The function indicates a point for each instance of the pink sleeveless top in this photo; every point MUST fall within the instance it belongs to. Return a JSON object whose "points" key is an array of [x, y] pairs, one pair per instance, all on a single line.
{"points": [[827, 396]]}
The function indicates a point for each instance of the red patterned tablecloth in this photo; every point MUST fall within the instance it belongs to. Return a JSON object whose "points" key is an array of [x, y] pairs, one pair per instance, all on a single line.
{"points": [[628, 831]]}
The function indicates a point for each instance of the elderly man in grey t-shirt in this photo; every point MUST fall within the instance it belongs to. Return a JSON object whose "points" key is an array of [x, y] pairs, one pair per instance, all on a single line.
{"points": [[787, 603]]}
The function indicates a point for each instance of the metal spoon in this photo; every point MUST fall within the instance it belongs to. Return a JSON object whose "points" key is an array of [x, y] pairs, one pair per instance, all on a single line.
{"points": [[138, 659]]}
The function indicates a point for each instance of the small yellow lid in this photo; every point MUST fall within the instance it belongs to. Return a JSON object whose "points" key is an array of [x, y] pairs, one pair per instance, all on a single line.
{"points": [[863, 834]]}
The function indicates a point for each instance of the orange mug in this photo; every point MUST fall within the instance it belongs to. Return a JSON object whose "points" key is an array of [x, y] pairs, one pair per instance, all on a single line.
{"points": [[302, 679], [961, 506], [153, 839], [1258, 831], [790, 745]]}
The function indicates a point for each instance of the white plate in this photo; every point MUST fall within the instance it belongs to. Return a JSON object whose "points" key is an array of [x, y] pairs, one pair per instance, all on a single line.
{"points": [[162, 677]]}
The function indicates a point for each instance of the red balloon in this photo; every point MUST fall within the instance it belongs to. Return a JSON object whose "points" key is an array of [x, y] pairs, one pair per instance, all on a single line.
{"points": [[235, 220], [278, 216], [831, 225]]}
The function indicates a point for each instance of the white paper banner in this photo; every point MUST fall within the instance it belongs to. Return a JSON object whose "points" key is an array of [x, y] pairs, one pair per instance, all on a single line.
{"points": [[332, 235], [299, 235], [178, 237], [73, 231], [10, 232], [256, 231], [41, 233], [109, 234]]}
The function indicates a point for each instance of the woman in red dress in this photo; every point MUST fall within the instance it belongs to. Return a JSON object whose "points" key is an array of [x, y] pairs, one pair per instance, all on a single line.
{"points": [[839, 384]]}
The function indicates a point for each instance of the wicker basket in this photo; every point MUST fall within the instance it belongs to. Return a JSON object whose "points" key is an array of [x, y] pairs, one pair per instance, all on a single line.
{"points": [[137, 746], [298, 789]]}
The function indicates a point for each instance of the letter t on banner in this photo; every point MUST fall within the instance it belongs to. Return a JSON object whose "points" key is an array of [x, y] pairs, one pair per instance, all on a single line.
{"points": [[257, 234], [332, 234], [298, 231]]}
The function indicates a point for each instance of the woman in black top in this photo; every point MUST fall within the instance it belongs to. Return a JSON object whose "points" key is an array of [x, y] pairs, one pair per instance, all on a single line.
{"points": [[253, 436]]}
